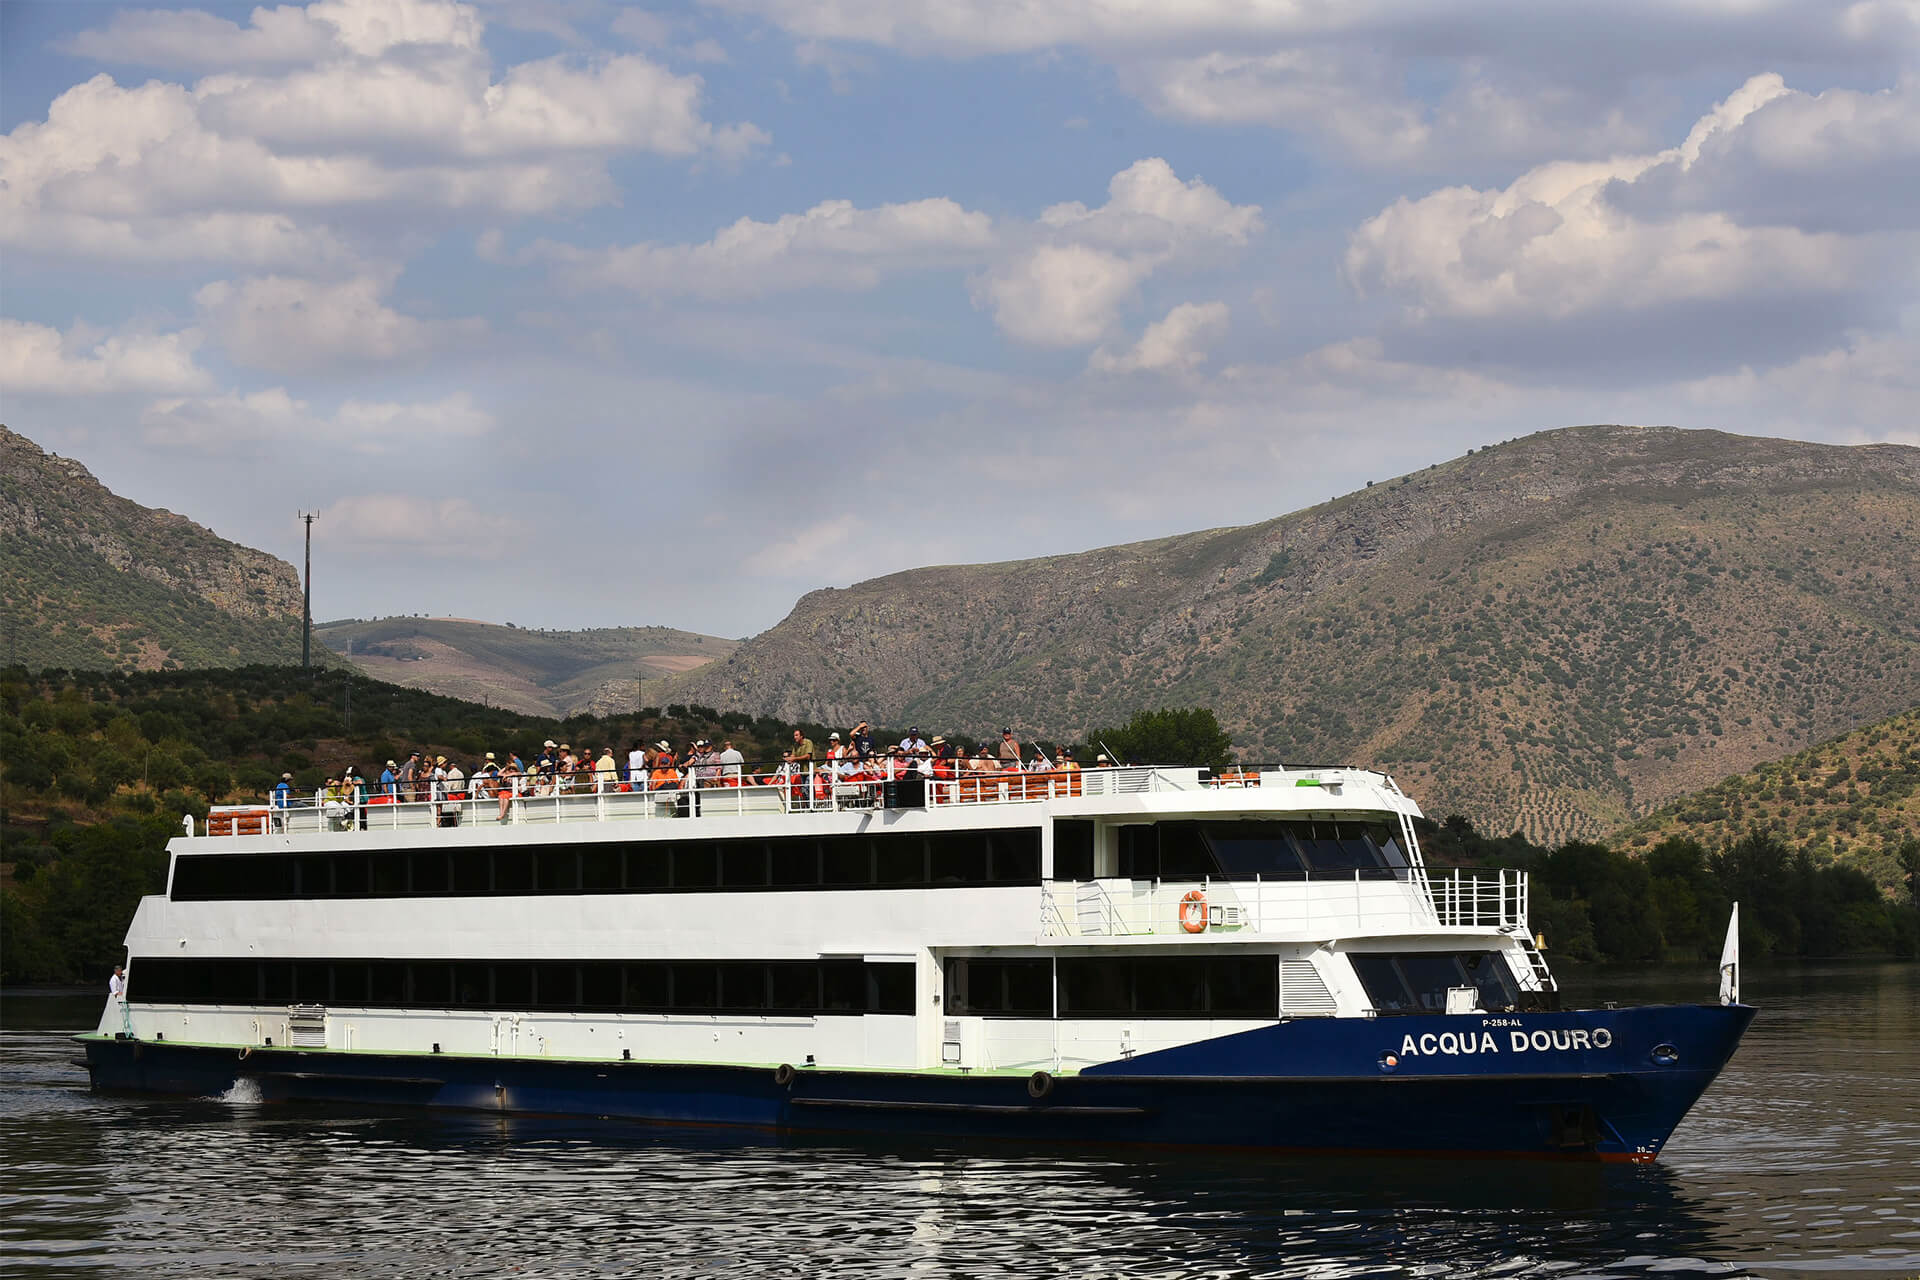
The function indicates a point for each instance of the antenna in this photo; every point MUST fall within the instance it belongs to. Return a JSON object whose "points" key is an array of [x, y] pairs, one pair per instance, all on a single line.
{"points": [[306, 602]]}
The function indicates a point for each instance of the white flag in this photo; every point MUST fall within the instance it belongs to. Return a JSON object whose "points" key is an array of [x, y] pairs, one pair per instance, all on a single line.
{"points": [[1730, 961]]}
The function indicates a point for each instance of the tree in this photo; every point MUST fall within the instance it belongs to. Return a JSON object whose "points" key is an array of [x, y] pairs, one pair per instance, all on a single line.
{"points": [[1171, 736]]}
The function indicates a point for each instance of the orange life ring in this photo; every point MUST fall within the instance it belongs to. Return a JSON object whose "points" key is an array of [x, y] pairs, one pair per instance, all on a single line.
{"points": [[1193, 912]]}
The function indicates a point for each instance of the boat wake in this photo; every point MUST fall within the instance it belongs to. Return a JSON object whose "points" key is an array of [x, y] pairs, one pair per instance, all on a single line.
{"points": [[244, 1093]]}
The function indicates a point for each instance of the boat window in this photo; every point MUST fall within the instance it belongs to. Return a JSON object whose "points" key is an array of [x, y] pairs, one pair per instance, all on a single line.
{"points": [[843, 986], [960, 858], [743, 987], [513, 870], [1072, 849], [387, 984], [472, 985], [427, 872], [796, 863], [276, 982], [743, 864], [648, 986], [846, 863], [1016, 856], [1417, 981], [1015, 988], [600, 868], [1243, 986], [900, 860], [695, 866], [512, 986], [430, 984], [312, 983], [557, 871], [795, 988], [696, 986], [389, 875], [471, 876], [316, 876], [890, 988], [349, 983], [1170, 986], [556, 985], [600, 985], [649, 866], [352, 874], [1243, 850]]}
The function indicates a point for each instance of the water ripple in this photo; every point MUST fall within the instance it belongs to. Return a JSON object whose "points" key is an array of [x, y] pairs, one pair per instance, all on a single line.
{"points": [[1796, 1164]]}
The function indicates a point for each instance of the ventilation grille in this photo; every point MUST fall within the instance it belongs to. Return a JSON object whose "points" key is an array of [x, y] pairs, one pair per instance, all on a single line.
{"points": [[1302, 992], [307, 1026]]}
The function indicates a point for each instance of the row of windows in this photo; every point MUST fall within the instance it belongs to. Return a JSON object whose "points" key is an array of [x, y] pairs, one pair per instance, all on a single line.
{"points": [[658, 866], [1110, 986], [1417, 981], [1291, 849], [788, 987]]}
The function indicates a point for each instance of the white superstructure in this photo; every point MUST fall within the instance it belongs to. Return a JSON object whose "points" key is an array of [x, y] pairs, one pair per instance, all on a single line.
{"points": [[1013, 923]]}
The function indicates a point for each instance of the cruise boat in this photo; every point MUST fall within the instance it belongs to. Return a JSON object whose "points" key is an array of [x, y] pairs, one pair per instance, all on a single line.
{"points": [[1257, 958]]}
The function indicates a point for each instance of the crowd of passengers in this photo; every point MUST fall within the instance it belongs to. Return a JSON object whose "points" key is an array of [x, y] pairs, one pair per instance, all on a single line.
{"points": [[852, 758]]}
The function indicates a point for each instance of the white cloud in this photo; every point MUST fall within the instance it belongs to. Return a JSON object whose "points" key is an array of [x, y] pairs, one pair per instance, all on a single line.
{"points": [[1175, 344], [274, 424], [832, 245], [1559, 240], [1148, 207], [36, 359], [1068, 290], [1393, 83], [264, 164], [1061, 295], [287, 324], [407, 525], [192, 40]]}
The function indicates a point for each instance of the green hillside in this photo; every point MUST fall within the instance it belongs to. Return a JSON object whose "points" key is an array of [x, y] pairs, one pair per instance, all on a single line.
{"points": [[535, 672], [1854, 800], [91, 580]]}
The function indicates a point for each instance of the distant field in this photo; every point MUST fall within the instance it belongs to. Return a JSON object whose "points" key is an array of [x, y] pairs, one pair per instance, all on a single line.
{"points": [[550, 673]]}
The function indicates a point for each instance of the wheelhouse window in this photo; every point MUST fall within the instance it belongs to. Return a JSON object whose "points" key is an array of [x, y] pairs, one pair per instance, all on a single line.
{"points": [[1418, 981], [1279, 850]]}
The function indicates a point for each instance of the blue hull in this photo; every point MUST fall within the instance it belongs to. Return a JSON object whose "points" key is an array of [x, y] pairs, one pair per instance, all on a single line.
{"points": [[1594, 1084]]}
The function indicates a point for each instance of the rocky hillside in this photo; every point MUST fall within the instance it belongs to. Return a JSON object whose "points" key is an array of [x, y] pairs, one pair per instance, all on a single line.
{"points": [[91, 580], [539, 673], [1854, 799], [1556, 635]]}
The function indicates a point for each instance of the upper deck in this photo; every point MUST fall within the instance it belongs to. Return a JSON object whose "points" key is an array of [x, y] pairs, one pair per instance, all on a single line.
{"points": [[1148, 791]]}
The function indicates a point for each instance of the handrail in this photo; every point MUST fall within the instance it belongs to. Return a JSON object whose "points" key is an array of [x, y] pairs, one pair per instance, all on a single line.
{"points": [[705, 788]]}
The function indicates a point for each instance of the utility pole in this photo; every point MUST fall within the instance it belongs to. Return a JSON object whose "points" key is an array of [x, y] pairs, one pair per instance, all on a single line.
{"points": [[306, 603]]}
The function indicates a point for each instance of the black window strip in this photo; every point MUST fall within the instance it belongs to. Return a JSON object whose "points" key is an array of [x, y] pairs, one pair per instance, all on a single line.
{"points": [[944, 860], [774, 987]]}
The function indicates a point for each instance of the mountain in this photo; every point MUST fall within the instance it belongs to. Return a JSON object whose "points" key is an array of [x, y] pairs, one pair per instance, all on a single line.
{"points": [[93, 581], [1854, 799], [1556, 635], [544, 673]]}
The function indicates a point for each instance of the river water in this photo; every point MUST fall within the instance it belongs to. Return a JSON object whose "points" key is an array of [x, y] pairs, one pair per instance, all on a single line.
{"points": [[1803, 1160]]}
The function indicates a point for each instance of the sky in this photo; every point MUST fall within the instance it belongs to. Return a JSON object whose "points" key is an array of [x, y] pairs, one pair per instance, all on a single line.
{"points": [[581, 314]]}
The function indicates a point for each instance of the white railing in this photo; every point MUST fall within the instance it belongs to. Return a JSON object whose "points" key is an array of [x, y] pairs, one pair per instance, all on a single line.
{"points": [[1312, 905], [815, 788], [1495, 899], [820, 787]]}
